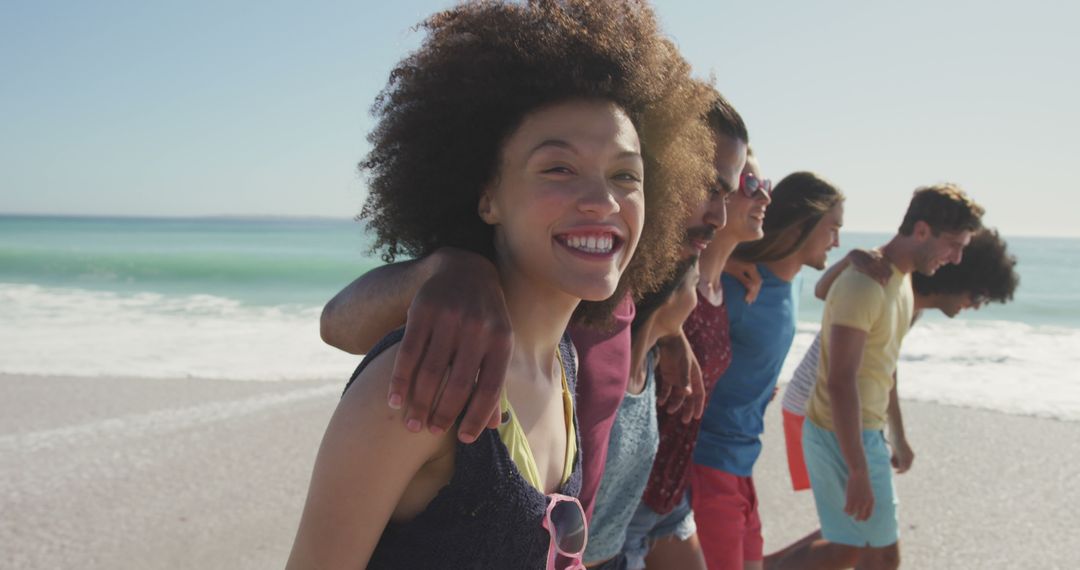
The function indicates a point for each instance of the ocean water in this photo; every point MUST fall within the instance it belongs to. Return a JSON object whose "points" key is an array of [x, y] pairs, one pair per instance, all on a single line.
{"points": [[1022, 357], [240, 299]]}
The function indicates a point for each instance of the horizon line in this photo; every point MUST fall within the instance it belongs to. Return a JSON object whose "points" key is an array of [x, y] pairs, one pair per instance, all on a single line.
{"points": [[318, 217]]}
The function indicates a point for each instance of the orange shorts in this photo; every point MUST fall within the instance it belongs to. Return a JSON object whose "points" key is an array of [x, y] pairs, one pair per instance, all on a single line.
{"points": [[800, 479]]}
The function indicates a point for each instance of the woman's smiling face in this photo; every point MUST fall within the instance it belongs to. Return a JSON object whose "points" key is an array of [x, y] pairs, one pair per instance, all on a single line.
{"points": [[568, 201], [746, 215]]}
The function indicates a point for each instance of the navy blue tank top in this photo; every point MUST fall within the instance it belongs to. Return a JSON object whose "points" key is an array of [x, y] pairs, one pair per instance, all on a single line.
{"points": [[488, 516]]}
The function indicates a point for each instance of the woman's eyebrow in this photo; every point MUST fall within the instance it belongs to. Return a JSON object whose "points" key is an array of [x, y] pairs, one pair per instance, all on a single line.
{"points": [[553, 143], [565, 145]]}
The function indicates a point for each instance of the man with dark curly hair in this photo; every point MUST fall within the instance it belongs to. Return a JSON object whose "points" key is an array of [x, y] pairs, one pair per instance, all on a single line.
{"points": [[562, 142], [986, 275]]}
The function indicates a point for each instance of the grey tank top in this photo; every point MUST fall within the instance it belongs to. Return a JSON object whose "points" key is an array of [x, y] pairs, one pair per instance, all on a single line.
{"points": [[631, 450]]}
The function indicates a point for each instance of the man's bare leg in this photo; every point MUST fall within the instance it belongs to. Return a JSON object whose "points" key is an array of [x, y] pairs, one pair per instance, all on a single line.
{"points": [[771, 560], [884, 558], [674, 554], [812, 551]]}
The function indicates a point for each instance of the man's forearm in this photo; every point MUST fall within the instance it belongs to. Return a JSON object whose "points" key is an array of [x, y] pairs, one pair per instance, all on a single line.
{"points": [[680, 379], [896, 420], [847, 423], [372, 305], [845, 352]]}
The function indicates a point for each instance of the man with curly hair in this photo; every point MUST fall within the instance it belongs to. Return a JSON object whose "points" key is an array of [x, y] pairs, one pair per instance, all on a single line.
{"points": [[863, 326]]}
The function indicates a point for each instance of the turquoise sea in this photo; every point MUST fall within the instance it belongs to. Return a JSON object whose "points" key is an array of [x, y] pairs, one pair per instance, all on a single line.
{"points": [[240, 298], [255, 261]]}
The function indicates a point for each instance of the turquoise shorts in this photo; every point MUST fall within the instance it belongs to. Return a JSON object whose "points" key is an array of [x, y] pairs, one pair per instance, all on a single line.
{"points": [[828, 479]]}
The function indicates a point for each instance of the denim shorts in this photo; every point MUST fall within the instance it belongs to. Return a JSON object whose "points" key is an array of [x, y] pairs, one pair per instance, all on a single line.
{"points": [[617, 563], [828, 478], [648, 526]]}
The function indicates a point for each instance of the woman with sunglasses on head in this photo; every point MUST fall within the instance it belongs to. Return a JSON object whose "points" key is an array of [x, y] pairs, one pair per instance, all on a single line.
{"points": [[538, 135], [634, 436], [801, 225]]}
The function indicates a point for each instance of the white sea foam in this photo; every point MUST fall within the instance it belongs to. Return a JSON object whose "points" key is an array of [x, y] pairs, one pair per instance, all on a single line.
{"points": [[996, 365], [61, 331]]}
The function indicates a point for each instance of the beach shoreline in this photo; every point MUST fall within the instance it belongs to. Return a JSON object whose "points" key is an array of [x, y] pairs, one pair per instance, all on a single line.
{"points": [[190, 473]]}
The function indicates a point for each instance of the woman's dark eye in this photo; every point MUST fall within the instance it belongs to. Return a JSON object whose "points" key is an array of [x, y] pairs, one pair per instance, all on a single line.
{"points": [[628, 176]]}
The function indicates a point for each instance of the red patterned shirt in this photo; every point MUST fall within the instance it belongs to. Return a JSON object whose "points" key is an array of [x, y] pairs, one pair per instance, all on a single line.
{"points": [[707, 330]]}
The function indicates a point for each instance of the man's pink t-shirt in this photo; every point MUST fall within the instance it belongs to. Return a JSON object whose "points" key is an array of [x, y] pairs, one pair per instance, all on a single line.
{"points": [[603, 372]]}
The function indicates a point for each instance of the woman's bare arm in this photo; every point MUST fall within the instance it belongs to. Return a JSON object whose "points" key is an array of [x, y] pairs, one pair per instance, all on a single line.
{"points": [[364, 465]]}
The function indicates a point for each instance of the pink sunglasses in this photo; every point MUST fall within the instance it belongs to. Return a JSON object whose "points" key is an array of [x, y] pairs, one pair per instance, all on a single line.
{"points": [[565, 523], [750, 185]]}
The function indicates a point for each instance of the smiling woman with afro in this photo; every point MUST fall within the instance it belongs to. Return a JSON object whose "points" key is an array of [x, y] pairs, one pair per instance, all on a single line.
{"points": [[564, 141]]}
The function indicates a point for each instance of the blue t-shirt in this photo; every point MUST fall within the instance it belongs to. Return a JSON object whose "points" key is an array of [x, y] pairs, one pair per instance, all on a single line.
{"points": [[761, 335]]}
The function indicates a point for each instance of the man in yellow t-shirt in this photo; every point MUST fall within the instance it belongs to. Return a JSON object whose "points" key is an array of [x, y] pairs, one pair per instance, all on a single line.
{"points": [[883, 314], [862, 328]]}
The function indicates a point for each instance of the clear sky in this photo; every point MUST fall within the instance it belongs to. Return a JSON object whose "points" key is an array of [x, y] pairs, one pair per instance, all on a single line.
{"points": [[261, 108]]}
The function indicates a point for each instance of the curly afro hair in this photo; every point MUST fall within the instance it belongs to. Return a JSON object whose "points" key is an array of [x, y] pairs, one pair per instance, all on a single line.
{"points": [[987, 269], [483, 66]]}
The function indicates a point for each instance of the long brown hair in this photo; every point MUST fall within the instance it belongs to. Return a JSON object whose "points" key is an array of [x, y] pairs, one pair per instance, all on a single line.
{"points": [[799, 202]]}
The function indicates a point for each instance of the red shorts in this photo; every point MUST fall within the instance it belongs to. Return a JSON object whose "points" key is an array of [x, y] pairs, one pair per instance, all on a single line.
{"points": [[726, 512], [800, 479]]}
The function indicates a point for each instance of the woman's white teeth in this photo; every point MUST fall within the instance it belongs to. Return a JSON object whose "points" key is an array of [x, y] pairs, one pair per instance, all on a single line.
{"points": [[591, 244]]}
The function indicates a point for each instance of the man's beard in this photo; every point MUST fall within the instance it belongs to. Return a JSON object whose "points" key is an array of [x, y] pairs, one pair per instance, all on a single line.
{"points": [[704, 233]]}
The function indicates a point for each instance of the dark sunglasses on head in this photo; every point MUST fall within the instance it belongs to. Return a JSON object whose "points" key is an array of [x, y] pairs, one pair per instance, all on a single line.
{"points": [[749, 185]]}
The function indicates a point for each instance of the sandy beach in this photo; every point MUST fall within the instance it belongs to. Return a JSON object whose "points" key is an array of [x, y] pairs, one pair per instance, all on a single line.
{"points": [[117, 473]]}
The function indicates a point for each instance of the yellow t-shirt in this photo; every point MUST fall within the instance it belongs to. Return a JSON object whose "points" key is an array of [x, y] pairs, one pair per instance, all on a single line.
{"points": [[513, 437], [859, 302]]}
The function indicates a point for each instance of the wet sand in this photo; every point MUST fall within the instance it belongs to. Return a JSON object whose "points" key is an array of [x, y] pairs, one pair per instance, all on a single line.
{"points": [[117, 473]]}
